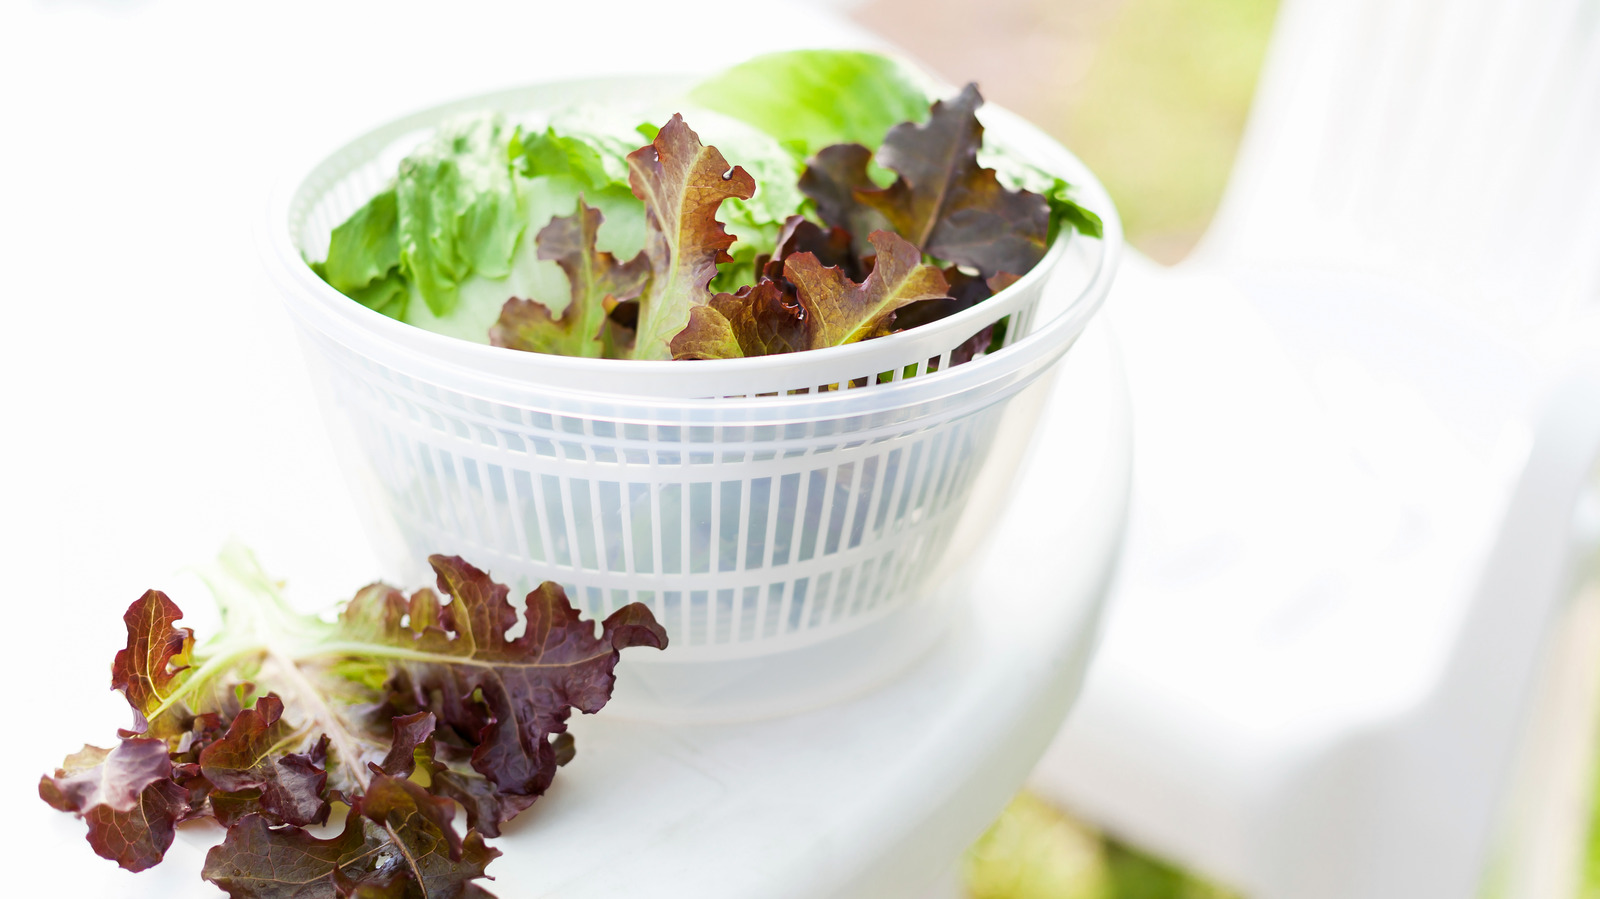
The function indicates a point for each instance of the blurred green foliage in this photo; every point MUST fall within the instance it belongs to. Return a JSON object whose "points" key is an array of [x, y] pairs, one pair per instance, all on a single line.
{"points": [[1160, 111], [1037, 852], [1590, 888]]}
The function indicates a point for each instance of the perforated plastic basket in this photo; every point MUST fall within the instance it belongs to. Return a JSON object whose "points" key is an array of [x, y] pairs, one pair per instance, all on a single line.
{"points": [[794, 545]]}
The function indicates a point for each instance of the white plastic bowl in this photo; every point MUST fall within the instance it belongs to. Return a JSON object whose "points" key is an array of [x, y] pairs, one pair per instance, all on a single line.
{"points": [[794, 546]]}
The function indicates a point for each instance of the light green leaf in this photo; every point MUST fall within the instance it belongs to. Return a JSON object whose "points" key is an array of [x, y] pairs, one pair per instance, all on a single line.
{"points": [[549, 153], [366, 247], [808, 99], [459, 214]]}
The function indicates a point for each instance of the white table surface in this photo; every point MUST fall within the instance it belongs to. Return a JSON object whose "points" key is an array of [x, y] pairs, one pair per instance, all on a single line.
{"points": [[156, 406]]}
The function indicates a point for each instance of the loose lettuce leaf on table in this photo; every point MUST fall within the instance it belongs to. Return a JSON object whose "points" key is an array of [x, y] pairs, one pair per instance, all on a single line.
{"points": [[251, 772], [153, 671], [402, 854], [399, 710], [127, 797], [808, 99], [506, 698], [682, 183]]}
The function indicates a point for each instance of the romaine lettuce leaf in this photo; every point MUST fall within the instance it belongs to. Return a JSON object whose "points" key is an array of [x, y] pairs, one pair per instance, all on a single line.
{"points": [[458, 210], [544, 197], [364, 256]]}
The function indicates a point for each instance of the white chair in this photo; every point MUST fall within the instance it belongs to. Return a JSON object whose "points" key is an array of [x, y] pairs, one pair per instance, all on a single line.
{"points": [[1368, 409]]}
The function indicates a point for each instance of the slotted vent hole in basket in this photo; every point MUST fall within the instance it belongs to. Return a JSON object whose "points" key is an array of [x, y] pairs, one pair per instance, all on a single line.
{"points": [[804, 543]]}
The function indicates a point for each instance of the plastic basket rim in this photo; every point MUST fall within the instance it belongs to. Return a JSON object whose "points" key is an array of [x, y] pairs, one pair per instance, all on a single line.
{"points": [[348, 322]]}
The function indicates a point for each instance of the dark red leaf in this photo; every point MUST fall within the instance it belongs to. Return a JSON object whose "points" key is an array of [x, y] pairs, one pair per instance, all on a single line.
{"points": [[153, 664], [831, 180], [598, 282], [529, 684], [255, 770], [126, 796], [409, 856], [831, 247], [682, 183], [413, 735], [950, 206], [846, 312]]}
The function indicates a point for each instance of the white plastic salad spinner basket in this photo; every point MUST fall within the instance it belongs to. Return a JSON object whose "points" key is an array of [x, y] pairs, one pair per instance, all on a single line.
{"points": [[797, 546]]}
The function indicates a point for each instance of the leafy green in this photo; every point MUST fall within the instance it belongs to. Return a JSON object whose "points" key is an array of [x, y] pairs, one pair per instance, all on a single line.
{"points": [[755, 222], [808, 99], [472, 200], [950, 206], [548, 153], [154, 664], [399, 710], [126, 795], [826, 308], [364, 256], [831, 180], [457, 246], [403, 854], [545, 197], [598, 282], [682, 183], [251, 774], [1064, 207], [458, 212]]}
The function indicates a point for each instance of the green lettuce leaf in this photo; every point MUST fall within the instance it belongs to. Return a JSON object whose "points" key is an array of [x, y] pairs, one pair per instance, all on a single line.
{"points": [[808, 99], [364, 256], [548, 153], [458, 211]]}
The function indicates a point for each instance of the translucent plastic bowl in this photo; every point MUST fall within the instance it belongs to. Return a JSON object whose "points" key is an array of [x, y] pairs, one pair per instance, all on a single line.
{"points": [[796, 546]]}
